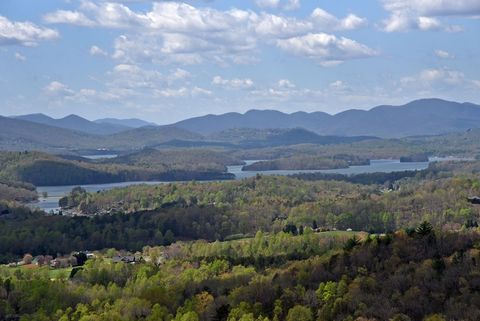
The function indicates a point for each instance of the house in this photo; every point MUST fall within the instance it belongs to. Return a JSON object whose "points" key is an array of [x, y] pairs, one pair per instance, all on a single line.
{"points": [[130, 259], [63, 262], [39, 260]]}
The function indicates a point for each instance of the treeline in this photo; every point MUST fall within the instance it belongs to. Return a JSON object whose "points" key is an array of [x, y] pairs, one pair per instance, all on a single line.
{"points": [[306, 162], [46, 170], [417, 275], [17, 191], [270, 203], [365, 178], [23, 231]]}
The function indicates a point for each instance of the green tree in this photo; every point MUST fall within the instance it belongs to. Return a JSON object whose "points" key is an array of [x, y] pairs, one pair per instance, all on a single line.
{"points": [[299, 313]]}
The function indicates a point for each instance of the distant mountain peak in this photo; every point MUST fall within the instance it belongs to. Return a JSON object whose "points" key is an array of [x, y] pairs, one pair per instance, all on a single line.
{"points": [[419, 117]]}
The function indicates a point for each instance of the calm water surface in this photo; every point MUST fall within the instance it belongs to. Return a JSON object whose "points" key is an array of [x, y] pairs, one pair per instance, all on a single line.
{"points": [[54, 193]]}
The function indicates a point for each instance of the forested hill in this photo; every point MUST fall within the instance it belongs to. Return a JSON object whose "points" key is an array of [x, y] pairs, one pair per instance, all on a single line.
{"points": [[46, 170], [419, 117], [17, 134]]}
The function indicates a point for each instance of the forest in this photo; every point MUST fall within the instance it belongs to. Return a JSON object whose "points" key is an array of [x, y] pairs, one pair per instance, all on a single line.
{"points": [[381, 246], [419, 274], [43, 169], [306, 163]]}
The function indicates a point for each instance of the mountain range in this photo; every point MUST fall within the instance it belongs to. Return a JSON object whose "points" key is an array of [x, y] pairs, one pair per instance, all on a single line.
{"points": [[103, 126], [74, 122], [419, 117], [255, 128]]}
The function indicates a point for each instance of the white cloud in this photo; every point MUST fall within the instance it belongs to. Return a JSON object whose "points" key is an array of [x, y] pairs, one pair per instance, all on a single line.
{"points": [[197, 91], [56, 88], [132, 76], [338, 85], [403, 21], [325, 49], [437, 82], [23, 33], [173, 32], [424, 15], [268, 25], [285, 83], [179, 74], [443, 54], [172, 93], [68, 17], [435, 7], [326, 21], [97, 51], [19, 57], [235, 83]]}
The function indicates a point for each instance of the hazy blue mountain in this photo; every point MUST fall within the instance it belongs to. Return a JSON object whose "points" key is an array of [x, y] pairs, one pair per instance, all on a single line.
{"points": [[254, 138], [75, 122], [17, 134], [258, 119], [142, 137], [419, 117], [131, 122]]}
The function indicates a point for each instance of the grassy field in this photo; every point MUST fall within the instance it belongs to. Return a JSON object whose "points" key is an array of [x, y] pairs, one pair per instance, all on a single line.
{"points": [[53, 274]]}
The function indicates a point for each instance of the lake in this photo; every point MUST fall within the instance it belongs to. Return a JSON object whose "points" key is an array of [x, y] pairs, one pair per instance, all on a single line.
{"points": [[54, 193]]}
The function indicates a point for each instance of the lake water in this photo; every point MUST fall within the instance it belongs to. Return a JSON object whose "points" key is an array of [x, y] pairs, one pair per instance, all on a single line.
{"points": [[380, 165], [94, 157], [54, 193]]}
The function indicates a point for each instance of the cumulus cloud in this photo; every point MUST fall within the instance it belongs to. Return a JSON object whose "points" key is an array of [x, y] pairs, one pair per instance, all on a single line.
{"points": [[97, 51], [68, 17], [326, 49], [437, 81], [235, 83], [425, 15], [326, 21], [285, 83], [56, 88], [24, 33], [173, 32], [132, 76]]}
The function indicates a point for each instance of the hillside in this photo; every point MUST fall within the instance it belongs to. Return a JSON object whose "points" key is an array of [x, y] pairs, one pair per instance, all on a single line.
{"points": [[77, 123], [255, 138], [142, 137], [48, 170], [17, 134], [419, 117]]}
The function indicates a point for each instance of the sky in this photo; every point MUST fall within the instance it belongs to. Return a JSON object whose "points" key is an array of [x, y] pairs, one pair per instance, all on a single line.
{"points": [[165, 61]]}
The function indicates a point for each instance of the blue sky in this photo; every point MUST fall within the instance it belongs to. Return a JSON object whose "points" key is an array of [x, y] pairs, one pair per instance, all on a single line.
{"points": [[165, 61]]}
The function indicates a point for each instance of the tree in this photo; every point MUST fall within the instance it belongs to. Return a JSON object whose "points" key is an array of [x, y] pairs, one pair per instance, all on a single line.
{"points": [[424, 229], [299, 313], [351, 243]]}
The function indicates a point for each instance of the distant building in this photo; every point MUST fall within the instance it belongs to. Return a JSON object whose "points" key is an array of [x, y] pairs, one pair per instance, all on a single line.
{"points": [[130, 259]]}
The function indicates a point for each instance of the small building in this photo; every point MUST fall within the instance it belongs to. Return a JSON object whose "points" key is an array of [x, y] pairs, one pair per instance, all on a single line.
{"points": [[63, 262], [130, 259]]}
